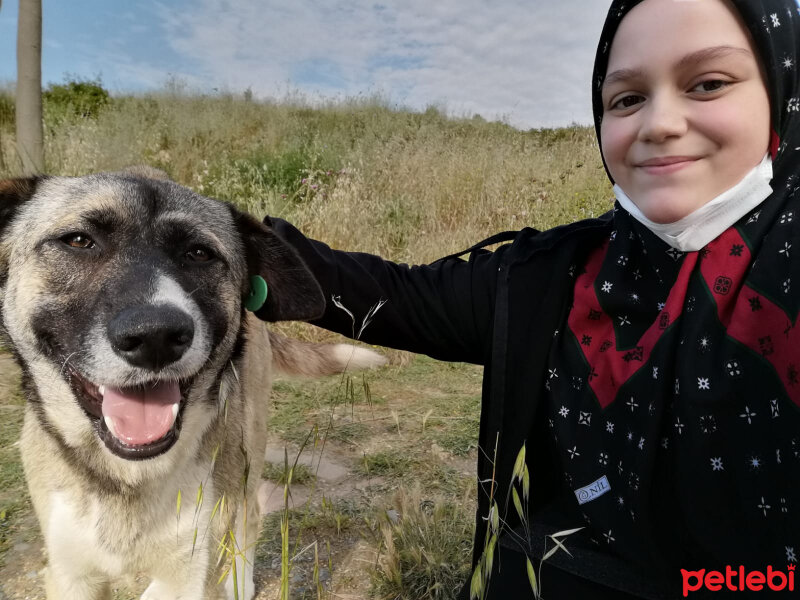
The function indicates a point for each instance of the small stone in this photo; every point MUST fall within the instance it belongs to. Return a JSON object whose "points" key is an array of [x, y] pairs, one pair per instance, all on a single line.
{"points": [[31, 574], [300, 593], [393, 516], [439, 452], [324, 575]]}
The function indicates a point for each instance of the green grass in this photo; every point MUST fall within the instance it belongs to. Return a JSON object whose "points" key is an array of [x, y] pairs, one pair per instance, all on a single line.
{"points": [[389, 463], [407, 466], [441, 401], [301, 474], [458, 431], [325, 406]]}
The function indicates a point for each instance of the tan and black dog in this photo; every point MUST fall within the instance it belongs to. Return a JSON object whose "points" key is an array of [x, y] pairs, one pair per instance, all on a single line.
{"points": [[121, 297]]}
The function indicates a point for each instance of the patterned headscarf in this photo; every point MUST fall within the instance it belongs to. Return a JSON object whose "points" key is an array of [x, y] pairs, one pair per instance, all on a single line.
{"points": [[677, 375]]}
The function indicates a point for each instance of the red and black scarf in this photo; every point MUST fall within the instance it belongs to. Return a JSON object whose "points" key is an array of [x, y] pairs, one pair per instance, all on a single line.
{"points": [[677, 375]]}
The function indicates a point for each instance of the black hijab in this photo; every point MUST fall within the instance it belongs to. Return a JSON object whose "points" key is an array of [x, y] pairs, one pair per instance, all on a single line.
{"points": [[677, 375]]}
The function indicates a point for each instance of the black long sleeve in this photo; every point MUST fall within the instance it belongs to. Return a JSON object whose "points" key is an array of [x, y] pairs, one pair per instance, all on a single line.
{"points": [[444, 309]]}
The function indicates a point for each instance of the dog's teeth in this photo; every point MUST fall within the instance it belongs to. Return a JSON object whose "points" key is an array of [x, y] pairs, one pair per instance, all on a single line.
{"points": [[175, 410], [102, 390], [110, 425]]}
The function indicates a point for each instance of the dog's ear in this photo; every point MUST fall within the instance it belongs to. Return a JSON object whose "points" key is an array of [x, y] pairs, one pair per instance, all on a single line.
{"points": [[13, 193], [293, 292]]}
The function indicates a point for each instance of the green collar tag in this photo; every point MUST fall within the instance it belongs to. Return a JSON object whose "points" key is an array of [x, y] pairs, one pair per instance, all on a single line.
{"points": [[257, 295]]}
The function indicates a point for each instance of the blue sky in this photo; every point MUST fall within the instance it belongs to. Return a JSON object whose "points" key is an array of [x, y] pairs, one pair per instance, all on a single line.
{"points": [[526, 61]]}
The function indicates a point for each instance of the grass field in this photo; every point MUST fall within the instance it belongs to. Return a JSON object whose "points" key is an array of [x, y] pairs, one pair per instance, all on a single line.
{"points": [[385, 506]]}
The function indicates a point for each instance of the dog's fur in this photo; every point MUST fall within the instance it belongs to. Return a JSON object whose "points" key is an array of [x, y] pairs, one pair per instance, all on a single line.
{"points": [[82, 259]]}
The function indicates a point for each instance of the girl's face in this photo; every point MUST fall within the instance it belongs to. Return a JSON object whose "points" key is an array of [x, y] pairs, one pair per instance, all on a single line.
{"points": [[685, 108]]}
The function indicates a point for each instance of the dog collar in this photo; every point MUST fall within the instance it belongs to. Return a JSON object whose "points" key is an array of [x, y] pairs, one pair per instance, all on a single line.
{"points": [[258, 293]]}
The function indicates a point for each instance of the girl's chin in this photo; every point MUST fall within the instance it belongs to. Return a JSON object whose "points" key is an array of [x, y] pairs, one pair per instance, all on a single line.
{"points": [[664, 210]]}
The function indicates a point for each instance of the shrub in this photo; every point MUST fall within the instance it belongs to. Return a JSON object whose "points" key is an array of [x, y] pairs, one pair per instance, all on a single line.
{"points": [[75, 99], [426, 546]]}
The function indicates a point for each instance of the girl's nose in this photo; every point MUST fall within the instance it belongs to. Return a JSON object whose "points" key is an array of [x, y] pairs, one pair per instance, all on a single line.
{"points": [[662, 118]]}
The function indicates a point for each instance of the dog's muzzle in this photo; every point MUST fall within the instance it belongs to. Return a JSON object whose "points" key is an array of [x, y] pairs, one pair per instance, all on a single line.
{"points": [[140, 421]]}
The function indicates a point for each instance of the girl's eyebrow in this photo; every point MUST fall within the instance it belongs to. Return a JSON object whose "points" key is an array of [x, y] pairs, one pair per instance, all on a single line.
{"points": [[688, 60]]}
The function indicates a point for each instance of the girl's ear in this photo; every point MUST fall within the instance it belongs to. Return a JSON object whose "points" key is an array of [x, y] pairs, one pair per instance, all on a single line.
{"points": [[293, 292]]}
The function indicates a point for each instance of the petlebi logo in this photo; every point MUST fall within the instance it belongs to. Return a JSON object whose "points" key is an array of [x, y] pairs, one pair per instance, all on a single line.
{"points": [[738, 580]]}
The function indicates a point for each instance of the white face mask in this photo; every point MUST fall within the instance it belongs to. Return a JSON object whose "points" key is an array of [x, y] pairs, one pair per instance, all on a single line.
{"points": [[698, 228]]}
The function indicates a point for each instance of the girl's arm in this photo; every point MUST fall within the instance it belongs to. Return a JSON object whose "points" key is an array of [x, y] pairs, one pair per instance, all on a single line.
{"points": [[444, 310]]}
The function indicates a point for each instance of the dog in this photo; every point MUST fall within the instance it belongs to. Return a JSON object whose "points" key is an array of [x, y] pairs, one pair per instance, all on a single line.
{"points": [[122, 299]]}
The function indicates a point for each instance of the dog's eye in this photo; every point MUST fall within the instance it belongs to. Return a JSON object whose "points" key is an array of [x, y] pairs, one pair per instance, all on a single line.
{"points": [[199, 254], [78, 240]]}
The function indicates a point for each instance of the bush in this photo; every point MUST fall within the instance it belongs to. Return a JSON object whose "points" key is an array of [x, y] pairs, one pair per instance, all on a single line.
{"points": [[75, 99]]}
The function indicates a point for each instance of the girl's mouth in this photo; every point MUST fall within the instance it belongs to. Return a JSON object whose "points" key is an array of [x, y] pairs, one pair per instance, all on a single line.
{"points": [[666, 165]]}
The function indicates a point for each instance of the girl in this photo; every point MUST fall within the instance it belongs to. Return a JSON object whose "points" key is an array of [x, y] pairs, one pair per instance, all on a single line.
{"points": [[647, 360]]}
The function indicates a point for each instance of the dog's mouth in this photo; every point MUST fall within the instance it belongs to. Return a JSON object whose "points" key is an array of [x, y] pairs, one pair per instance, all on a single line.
{"points": [[134, 422]]}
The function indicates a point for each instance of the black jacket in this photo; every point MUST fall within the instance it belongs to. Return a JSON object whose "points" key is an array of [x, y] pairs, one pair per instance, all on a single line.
{"points": [[498, 309]]}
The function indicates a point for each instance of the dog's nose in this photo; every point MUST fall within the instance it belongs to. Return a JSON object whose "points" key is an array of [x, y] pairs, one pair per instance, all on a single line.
{"points": [[151, 337]]}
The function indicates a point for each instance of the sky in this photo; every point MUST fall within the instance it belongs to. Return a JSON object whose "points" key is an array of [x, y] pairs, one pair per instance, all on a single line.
{"points": [[526, 62]]}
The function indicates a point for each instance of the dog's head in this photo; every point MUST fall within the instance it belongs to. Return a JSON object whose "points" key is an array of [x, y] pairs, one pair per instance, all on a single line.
{"points": [[121, 293]]}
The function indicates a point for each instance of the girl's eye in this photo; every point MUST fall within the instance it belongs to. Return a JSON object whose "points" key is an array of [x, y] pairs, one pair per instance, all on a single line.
{"points": [[627, 101], [710, 85], [78, 240], [199, 254]]}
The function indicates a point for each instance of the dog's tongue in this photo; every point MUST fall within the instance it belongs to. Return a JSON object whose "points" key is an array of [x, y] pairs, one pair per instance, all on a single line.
{"points": [[141, 415]]}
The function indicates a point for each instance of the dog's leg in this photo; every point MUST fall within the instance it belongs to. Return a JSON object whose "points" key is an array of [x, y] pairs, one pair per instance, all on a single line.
{"points": [[246, 538], [70, 575], [62, 583], [181, 576]]}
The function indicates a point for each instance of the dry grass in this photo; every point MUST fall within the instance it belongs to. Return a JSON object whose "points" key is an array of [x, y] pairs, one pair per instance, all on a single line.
{"points": [[409, 186]]}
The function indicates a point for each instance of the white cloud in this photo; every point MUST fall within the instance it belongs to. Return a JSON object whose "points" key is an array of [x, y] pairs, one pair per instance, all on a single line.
{"points": [[528, 61]]}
